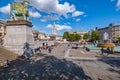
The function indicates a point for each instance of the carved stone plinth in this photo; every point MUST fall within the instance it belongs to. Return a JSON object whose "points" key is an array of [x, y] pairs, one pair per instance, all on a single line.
{"points": [[17, 33]]}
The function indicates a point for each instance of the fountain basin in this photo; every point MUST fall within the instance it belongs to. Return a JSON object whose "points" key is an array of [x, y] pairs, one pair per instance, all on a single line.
{"points": [[106, 45]]}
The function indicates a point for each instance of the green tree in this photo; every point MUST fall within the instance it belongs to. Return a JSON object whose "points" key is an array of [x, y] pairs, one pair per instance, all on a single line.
{"points": [[77, 37], [118, 39], [85, 36], [71, 37], [95, 36], [66, 35]]}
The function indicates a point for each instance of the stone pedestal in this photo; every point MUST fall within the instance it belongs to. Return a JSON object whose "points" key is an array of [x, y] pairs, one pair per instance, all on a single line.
{"points": [[17, 33]]}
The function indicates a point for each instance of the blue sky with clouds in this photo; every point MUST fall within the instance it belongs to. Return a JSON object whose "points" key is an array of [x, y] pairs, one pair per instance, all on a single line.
{"points": [[68, 14]]}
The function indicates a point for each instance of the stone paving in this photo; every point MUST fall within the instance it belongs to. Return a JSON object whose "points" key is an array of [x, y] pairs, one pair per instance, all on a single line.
{"points": [[95, 65], [90, 55], [58, 66], [100, 70], [58, 51]]}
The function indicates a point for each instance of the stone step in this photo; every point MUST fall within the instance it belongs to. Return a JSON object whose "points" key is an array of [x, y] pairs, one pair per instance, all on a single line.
{"points": [[6, 54]]}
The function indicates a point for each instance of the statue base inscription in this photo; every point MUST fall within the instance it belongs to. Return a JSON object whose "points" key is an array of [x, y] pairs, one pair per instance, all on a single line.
{"points": [[18, 33]]}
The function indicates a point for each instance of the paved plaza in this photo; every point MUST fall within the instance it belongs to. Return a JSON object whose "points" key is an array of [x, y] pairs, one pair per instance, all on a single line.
{"points": [[63, 63], [81, 54], [95, 65], [59, 40]]}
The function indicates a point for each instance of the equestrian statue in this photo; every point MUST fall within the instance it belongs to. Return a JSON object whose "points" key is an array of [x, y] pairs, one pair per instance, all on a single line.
{"points": [[19, 11]]}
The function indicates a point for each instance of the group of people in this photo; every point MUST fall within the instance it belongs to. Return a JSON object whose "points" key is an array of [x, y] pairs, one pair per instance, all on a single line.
{"points": [[39, 50], [86, 48], [107, 51]]}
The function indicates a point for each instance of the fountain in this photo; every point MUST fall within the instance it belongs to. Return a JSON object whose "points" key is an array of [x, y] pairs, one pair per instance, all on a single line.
{"points": [[106, 42]]}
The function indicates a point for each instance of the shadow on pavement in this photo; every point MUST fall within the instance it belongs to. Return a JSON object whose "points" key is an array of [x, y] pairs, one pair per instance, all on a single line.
{"points": [[48, 68], [112, 63], [113, 70]]}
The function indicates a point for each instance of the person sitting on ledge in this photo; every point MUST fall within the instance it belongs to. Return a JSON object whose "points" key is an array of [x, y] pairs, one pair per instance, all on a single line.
{"points": [[7, 63]]}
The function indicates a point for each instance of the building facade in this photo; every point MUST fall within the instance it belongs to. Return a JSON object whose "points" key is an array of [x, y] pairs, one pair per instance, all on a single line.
{"points": [[112, 30], [81, 33], [38, 35], [2, 29]]}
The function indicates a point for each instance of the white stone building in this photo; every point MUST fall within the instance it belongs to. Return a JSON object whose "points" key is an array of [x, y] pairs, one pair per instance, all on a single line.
{"points": [[81, 33], [2, 29], [112, 30]]}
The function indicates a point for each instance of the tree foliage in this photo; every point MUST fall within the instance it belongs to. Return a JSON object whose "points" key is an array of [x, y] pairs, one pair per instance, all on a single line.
{"points": [[118, 39], [77, 37], [71, 37], [66, 35], [85, 36], [95, 36]]}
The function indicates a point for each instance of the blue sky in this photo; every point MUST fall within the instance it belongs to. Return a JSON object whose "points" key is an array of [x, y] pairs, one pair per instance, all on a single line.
{"points": [[68, 14]]}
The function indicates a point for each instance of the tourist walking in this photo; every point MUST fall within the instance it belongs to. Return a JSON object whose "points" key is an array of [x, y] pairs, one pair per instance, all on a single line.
{"points": [[108, 51], [102, 51], [76, 46], [49, 49], [40, 50]]}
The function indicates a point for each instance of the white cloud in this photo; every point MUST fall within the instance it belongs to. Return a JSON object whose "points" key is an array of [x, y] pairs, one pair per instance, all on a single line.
{"points": [[51, 17], [44, 5], [77, 20], [50, 26], [34, 14], [77, 13], [67, 23], [5, 9], [43, 20], [60, 27], [118, 5], [63, 9], [53, 6]]}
